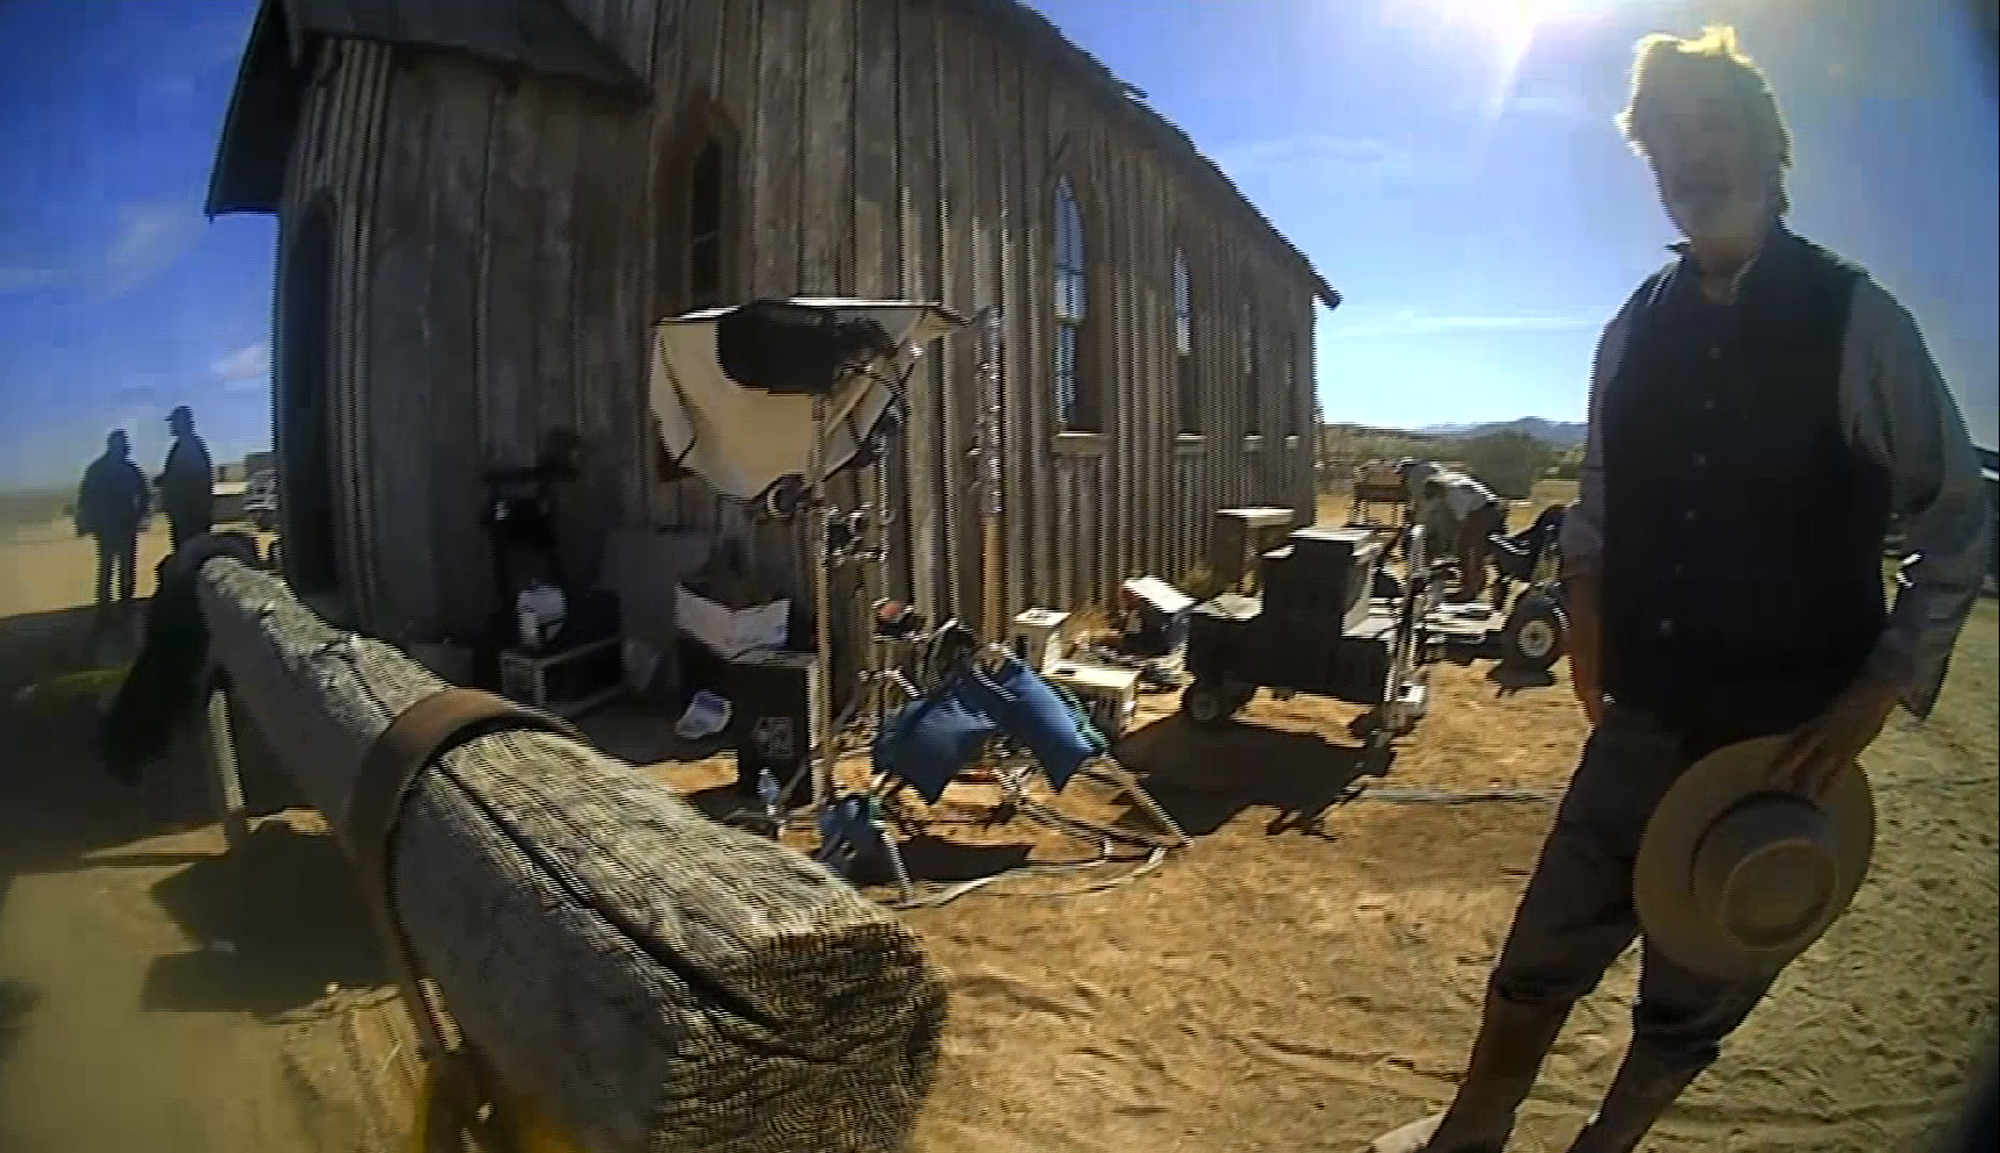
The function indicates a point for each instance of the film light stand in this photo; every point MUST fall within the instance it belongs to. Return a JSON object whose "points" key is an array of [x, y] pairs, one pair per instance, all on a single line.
{"points": [[843, 823]]}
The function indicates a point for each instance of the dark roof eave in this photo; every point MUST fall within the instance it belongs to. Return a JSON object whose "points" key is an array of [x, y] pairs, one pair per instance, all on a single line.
{"points": [[279, 49]]}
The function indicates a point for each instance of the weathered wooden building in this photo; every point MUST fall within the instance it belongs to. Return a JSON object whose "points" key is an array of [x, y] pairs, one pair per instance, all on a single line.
{"points": [[483, 205]]}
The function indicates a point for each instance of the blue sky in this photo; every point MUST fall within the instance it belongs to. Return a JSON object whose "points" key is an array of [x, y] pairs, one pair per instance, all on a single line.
{"points": [[1450, 165]]}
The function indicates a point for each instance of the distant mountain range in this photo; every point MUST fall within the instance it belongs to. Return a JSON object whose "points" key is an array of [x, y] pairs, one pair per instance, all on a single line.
{"points": [[1562, 434]]}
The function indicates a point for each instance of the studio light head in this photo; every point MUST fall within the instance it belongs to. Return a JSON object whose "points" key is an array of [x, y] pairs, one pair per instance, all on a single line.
{"points": [[784, 348]]}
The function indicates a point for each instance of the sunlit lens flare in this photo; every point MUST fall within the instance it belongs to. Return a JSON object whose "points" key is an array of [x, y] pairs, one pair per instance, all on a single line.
{"points": [[1508, 25], [1511, 18]]}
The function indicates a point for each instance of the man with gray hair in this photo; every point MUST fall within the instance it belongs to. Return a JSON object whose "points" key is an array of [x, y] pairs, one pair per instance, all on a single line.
{"points": [[1759, 408]]}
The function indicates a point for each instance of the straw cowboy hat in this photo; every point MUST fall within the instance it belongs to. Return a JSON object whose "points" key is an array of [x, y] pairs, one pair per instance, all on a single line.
{"points": [[1734, 878]]}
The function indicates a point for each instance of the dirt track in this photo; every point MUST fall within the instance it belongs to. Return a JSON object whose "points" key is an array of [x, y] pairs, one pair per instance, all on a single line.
{"points": [[1284, 990]]}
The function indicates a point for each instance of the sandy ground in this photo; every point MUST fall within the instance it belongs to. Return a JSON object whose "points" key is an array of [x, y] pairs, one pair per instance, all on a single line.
{"points": [[1274, 988]]}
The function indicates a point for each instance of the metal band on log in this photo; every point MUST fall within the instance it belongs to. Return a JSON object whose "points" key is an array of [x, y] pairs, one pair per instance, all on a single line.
{"points": [[658, 981]]}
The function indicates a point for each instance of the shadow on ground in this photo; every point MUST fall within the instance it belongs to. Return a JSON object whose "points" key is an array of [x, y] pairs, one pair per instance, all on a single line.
{"points": [[17, 1000], [1512, 680], [279, 920], [61, 803], [290, 894], [1204, 778]]}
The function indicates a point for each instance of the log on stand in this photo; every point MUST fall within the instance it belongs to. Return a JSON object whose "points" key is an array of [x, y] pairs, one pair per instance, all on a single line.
{"points": [[651, 978]]}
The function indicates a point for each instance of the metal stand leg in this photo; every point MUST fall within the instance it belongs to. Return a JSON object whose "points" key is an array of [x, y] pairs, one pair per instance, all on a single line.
{"points": [[1121, 777], [816, 520], [220, 753]]}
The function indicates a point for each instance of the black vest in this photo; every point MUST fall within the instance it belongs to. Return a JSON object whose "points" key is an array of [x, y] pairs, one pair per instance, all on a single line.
{"points": [[1742, 580]]}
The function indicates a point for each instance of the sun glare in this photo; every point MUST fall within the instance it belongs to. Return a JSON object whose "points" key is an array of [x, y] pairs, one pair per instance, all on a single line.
{"points": [[1507, 27], [1512, 20]]}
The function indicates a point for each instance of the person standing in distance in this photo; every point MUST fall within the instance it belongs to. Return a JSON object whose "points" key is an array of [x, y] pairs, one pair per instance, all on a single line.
{"points": [[187, 480], [110, 506], [1759, 408]]}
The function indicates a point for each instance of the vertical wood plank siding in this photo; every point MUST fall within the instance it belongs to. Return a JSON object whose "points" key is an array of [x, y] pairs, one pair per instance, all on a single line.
{"points": [[496, 241], [334, 161]]}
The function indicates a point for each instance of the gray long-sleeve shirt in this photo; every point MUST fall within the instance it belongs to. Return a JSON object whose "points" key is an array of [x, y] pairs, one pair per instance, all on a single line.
{"points": [[1896, 410]]}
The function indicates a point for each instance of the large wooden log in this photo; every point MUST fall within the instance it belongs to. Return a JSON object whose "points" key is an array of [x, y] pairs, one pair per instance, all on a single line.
{"points": [[656, 980]]}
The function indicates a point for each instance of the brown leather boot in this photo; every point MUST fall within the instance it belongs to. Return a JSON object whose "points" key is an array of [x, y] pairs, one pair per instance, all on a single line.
{"points": [[1507, 1055], [1645, 1086]]}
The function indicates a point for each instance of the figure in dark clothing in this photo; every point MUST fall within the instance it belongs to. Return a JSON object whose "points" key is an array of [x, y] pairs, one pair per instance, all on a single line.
{"points": [[187, 481], [110, 506], [1758, 410]]}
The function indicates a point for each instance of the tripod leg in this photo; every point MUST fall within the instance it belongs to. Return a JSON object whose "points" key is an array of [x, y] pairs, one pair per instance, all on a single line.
{"points": [[1130, 786]]}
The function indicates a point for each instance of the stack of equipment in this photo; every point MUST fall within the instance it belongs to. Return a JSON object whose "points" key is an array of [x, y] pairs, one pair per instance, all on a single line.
{"points": [[1238, 536], [774, 700], [1039, 637], [1156, 616], [1323, 575], [1109, 696]]}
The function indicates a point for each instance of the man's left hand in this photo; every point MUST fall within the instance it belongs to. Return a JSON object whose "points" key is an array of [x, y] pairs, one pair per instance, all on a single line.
{"points": [[1818, 752]]}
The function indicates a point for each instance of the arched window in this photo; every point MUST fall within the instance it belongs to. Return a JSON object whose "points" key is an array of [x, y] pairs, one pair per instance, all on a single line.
{"points": [[1187, 385], [1295, 403], [694, 263], [1252, 406], [704, 225], [1074, 409]]}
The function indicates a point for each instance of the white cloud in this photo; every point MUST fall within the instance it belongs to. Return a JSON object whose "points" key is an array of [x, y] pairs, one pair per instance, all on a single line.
{"points": [[248, 369], [150, 238], [1328, 157], [1408, 323]]}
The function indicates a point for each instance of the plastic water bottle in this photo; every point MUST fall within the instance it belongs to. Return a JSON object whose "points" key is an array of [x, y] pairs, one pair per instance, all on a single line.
{"points": [[767, 788]]}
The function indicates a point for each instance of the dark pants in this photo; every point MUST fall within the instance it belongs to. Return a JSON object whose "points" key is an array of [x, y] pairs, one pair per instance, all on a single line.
{"points": [[116, 554], [185, 527], [1577, 915], [1474, 544]]}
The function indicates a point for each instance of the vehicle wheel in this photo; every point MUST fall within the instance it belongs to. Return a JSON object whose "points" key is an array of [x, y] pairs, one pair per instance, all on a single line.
{"points": [[1535, 634], [1208, 705]]}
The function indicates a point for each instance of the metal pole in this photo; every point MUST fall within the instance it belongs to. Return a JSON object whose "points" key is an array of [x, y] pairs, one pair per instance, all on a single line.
{"points": [[817, 560], [220, 753], [990, 446]]}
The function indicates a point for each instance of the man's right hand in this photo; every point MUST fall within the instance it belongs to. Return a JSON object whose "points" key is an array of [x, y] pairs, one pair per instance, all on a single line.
{"points": [[1580, 606], [1588, 694]]}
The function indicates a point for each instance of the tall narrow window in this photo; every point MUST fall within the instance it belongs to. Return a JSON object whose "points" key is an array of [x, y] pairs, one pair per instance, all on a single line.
{"points": [[1186, 385], [705, 236], [1252, 406], [695, 196], [1294, 398], [1073, 409]]}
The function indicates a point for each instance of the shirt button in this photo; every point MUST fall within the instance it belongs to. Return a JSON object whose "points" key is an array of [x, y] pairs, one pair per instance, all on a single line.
{"points": [[1708, 405], [1666, 628], [1688, 516], [1700, 459], [1680, 569], [1714, 352]]}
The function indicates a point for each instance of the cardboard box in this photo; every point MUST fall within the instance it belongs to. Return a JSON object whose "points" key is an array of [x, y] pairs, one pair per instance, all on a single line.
{"points": [[1110, 696], [729, 633]]}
